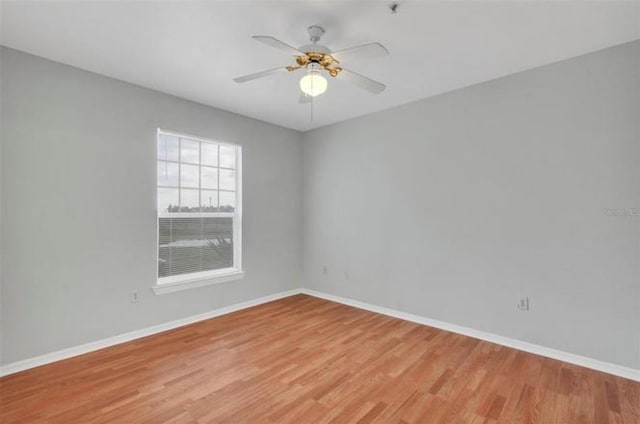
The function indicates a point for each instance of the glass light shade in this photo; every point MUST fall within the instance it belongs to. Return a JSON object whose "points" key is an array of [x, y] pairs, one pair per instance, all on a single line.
{"points": [[313, 84]]}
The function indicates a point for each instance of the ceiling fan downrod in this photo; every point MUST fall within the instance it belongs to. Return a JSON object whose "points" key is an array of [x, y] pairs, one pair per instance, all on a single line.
{"points": [[315, 33]]}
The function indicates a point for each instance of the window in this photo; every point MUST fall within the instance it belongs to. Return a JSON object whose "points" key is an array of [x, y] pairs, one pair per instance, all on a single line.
{"points": [[199, 212]]}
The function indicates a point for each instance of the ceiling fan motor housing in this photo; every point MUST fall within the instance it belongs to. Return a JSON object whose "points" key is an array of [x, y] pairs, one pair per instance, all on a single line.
{"points": [[315, 48]]}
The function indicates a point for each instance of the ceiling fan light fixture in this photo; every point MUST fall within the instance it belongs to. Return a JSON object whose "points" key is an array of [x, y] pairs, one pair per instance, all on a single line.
{"points": [[313, 84]]}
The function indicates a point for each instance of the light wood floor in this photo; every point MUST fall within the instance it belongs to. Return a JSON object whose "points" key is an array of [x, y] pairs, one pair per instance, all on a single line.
{"points": [[306, 360]]}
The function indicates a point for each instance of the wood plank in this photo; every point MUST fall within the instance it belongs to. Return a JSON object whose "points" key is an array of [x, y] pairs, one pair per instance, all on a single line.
{"points": [[303, 359]]}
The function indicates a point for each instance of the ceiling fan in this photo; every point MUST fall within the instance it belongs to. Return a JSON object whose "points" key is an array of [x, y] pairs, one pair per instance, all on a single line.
{"points": [[317, 60]]}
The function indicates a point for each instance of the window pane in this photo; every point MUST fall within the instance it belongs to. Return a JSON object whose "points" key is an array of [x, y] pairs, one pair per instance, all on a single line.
{"points": [[168, 173], [209, 201], [209, 177], [189, 200], [164, 251], [218, 252], [167, 147], [209, 154], [227, 157], [227, 179], [184, 245], [167, 199], [189, 176], [227, 201], [189, 151]]}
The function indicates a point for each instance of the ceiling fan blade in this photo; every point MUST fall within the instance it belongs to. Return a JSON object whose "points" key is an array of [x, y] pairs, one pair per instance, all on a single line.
{"points": [[262, 74], [368, 84], [280, 45], [304, 98], [364, 51]]}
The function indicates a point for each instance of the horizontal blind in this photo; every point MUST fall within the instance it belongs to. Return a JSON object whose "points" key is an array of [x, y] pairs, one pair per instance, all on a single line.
{"points": [[188, 245]]}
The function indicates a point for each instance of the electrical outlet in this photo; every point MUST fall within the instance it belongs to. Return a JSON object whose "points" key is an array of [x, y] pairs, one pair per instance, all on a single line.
{"points": [[134, 296], [523, 304]]}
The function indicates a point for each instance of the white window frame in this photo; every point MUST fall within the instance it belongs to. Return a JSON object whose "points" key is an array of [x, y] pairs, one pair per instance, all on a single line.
{"points": [[205, 278]]}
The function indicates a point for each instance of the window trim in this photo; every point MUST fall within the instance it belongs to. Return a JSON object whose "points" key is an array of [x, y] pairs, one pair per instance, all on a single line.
{"points": [[197, 279], [204, 278]]}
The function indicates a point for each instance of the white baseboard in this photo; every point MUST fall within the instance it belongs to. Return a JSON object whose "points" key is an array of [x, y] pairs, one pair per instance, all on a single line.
{"points": [[122, 338], [630, 373], [571, 358]]}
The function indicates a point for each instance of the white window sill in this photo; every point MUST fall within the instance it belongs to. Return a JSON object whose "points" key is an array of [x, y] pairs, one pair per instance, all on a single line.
{"points": [[200, 279]]}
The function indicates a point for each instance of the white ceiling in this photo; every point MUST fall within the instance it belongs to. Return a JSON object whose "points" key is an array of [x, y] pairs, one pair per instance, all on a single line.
{"points": [[194, 49]]}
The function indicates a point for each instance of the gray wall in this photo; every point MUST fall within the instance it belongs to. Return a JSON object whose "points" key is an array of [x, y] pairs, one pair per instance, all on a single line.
{"points": [[1, 203], [455, 206], [79, 175]]}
